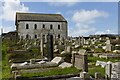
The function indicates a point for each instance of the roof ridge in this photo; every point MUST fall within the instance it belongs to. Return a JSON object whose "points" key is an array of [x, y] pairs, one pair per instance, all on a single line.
{"points": [[37, 13]]}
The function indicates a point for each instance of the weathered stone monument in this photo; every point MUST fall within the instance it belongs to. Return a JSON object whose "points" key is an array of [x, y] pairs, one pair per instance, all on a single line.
{"points": [[50, 47], [108, 46], [108, 69], [115, 74], [69, 49], [41, 47], [84, 76], [97, 75], [79, 60]]}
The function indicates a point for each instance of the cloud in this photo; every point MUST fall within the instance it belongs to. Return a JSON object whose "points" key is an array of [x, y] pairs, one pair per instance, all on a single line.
{"points": [[6, 29], [108, 31], [58, 13], [83, 20], [81, 29], [62, 3], [70, 0], [59, 4], [86, 16], [10, 8]]}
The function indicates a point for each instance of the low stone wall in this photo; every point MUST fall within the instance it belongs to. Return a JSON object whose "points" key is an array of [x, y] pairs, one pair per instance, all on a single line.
{"points": [[55, 77], [31, 66]]}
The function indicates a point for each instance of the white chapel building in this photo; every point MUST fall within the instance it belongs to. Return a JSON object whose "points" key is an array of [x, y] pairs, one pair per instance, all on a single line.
{"points": [[35, 25]]}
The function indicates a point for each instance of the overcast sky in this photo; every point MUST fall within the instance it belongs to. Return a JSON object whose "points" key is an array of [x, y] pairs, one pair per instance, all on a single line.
{"points": [[84, 18]]}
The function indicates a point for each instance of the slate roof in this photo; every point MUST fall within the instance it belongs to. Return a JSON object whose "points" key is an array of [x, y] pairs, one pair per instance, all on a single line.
{"points": [[39, 17]]}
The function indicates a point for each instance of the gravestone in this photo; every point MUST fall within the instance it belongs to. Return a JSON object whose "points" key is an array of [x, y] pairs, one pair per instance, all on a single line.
{"points": [[57, 60], [82, 40], [32, 61], [97, 75], [77, 46], [108, 47], [56, 47], [84, 76], [79, 40], [115, 70], [50, 47], [108, 69], [69, 49], [79, 60], [65, 65], [41, 47]]}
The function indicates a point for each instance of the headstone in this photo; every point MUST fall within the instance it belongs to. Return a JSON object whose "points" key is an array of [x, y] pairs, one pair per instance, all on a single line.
{"points": [[56, 51], [57, 60], [84, 76], [65, 65], [82, 40], [79, 40], [108, 47], [108, 42], [73, 59], [45, 39], [41, 47], [63, 52], [84, 60], [77, 46], [115, 74], [108, 69], [32, 61], [97, 75], [41, 62], [18, 77], [80, 60], [56, 47], [69, 49]]}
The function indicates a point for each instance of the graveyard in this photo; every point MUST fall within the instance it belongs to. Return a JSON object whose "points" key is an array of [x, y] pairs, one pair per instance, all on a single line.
{"points": [[59, 58]]}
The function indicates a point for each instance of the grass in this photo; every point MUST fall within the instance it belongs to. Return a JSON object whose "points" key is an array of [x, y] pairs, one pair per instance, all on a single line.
{"points": [[71, 70], [94, 59], [94, 69], [5, 65]]}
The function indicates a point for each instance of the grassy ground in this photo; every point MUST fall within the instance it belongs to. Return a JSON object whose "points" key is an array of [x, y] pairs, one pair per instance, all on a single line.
{"points": [[94, 59], [71, 70], [94, 69], [5, 64]]}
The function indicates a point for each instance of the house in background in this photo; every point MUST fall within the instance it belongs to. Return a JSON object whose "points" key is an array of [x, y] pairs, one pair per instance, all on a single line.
{"points": [[35, 26]]}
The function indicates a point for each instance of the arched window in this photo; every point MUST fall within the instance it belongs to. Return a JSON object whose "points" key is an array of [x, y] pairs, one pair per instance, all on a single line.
{"points": [[43, 25], [27, 26], [35, 26], [27, 36], [58, 26], [51, 26], [35, 36]]}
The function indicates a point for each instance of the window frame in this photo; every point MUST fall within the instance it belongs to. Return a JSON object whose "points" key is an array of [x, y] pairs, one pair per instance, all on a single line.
{"points": [[27, 26], [51, 26], [35, 36], [43, 26], [58, 26], [35, 26]]}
